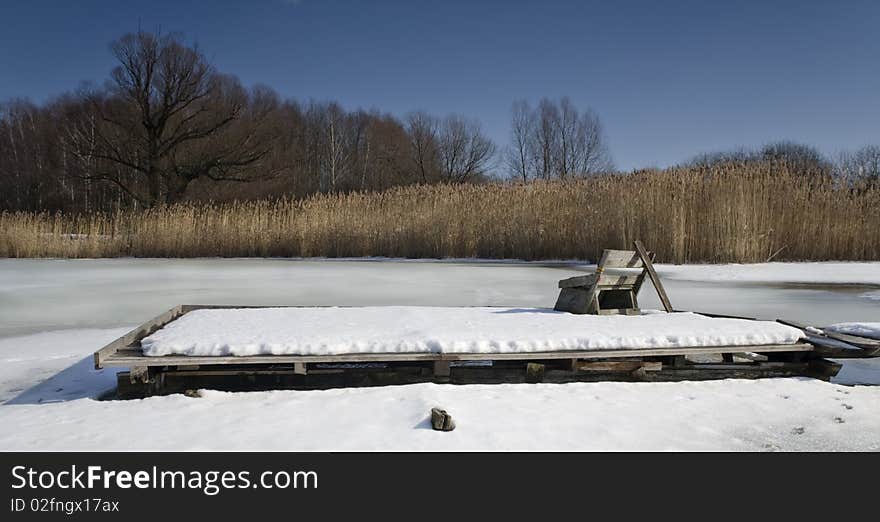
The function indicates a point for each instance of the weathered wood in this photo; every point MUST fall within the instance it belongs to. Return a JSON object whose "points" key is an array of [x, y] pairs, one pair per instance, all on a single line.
{"points": [[237, 379], [573, 300], [621, 259], [137, 334], [603, 280], [652, 274], [640, 281], [618, 366], [576, 281], [617, 311], [604, 290], [132, 357], [824, 369], [593, 291]]}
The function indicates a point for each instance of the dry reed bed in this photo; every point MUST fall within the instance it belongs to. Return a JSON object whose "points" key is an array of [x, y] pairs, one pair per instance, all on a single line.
{"points": [[727, 214]]}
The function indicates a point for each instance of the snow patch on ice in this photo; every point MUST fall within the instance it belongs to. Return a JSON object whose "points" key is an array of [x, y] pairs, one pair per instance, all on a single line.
{"points": [[818, 273], [870, 330]]}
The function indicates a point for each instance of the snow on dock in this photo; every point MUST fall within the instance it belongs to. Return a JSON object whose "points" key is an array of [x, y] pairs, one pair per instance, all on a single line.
{"points": [[405, 329]]}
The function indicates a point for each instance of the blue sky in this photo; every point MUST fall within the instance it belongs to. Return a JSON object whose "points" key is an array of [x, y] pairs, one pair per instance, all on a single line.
{"points": [[668, 79]]}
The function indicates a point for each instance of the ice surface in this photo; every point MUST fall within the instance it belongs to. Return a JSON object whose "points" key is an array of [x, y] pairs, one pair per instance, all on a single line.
{"points": [[397, 329], [817, 273], [38, 295]]}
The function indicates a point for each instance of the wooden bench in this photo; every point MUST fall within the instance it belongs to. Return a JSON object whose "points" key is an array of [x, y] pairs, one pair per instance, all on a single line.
{"points": [[614, 287]]}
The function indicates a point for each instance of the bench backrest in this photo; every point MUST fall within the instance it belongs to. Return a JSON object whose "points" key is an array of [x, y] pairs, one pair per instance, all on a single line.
{"points": [[620, 259]]}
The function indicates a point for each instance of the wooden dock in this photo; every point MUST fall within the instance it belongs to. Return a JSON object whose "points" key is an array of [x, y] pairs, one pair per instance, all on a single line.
{"points": [[178, 373]]}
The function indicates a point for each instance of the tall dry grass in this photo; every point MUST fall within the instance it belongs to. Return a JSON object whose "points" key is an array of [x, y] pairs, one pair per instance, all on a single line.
{"points": [[725, 214]]}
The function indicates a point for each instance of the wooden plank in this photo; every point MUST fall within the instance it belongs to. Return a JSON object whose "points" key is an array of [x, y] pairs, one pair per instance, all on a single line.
{"points": [[237, 379], [603, 280], [617, 280], [593, 291], [132, 357], [621, 259], [618, 366], [572, 282], [137, 334], [649, 266], [572, 300], [619, 311], [641, 279]]}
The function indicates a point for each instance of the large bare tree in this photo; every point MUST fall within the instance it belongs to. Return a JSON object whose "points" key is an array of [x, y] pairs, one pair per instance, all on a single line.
{"points": [[168, 119]]}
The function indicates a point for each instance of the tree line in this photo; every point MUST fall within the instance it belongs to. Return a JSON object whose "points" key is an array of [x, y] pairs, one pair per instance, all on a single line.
{"points": [[861, 164], [167, 126]]}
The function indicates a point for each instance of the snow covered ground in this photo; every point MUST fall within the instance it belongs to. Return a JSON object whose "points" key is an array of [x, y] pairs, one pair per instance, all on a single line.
{"points": [[55, 313], [773, 414]]}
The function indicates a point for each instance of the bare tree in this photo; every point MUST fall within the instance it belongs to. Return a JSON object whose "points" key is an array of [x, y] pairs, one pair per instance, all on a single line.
{"points": [[802, 159], [568, 145], [862, 164], [521, 133], [337, 150], [590, 154], [169, 119], [545, 141], [465, 152], [556, 140], [423, 132]]}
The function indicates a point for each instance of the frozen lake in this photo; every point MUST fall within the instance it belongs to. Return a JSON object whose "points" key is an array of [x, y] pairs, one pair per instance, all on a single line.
{"points": [[55, 313], [44, 295]]}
